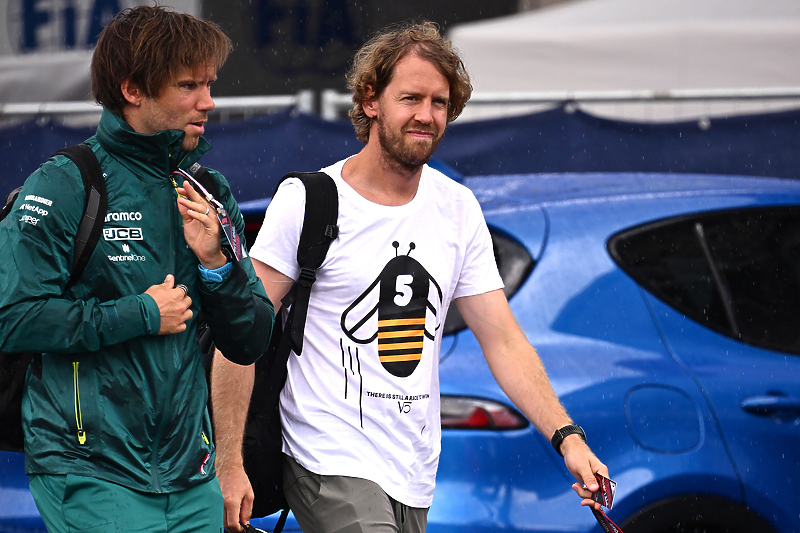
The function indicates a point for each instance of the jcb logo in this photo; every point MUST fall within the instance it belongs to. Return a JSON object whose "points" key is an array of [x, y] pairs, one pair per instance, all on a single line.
{"points": [[122, 234]]}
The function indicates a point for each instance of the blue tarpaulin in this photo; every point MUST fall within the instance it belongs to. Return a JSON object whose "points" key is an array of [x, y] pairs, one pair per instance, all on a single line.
{"points": [[253, 154]]}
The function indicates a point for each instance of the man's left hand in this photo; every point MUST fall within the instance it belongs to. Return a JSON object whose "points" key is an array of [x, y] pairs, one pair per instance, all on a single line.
{"points": [[584, 465], [201, 227]]}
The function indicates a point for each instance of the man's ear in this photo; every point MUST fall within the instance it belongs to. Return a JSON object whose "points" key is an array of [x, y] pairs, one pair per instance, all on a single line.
{"points": [[133, 95], [370, 108], [370, 103]]}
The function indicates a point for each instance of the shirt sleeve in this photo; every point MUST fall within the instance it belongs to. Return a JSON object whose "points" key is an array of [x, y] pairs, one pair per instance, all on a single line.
{"points": [[279, 236], [479, 273]]}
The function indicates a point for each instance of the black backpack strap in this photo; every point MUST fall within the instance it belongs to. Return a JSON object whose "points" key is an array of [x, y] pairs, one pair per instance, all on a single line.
{"points": [[281, 521], [262, 447], [94, 211], [319, 230], [14, 366]]}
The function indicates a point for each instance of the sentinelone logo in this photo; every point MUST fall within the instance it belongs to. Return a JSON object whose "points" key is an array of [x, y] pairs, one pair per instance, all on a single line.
{"points": [[126, 258], [124, 234]]}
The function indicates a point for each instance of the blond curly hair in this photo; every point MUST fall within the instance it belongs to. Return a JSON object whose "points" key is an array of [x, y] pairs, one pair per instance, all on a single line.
{"points": [[373, 67]]}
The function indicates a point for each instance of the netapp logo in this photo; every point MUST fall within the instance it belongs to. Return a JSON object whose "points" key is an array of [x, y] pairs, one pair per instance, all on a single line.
{"points": [[122, 234], [35, 208], [120, 217]]}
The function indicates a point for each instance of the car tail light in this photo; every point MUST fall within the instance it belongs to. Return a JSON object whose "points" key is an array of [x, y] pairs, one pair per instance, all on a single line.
{"points": [[459, 412]]}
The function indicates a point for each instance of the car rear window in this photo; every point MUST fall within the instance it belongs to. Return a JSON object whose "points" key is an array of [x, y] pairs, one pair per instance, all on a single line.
{"points": [[736, 272], [514, 263]]}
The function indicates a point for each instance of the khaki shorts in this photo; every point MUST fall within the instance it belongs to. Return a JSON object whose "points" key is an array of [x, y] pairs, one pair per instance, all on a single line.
{"points": [[341, 504]]}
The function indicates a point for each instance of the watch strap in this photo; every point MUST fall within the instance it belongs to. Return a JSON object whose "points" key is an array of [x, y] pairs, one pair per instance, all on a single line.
{"points": [[562, 433], [218, 274]]}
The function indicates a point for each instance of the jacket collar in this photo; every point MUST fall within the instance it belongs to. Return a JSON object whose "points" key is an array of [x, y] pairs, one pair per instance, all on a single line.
{"points": [[153, 156]]}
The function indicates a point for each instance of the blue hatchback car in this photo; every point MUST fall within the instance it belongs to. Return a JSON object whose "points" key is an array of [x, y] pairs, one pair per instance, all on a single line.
{"points": [[666, 309]]}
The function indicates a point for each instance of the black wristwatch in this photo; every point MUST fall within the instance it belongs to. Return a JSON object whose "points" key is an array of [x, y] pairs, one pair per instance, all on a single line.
{"points": [[560, 434]]}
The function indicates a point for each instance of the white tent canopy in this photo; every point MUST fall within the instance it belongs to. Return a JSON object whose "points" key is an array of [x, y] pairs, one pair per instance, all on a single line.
{"points": [[603, 45]]}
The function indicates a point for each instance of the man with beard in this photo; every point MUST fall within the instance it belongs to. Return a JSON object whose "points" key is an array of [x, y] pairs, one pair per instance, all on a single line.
{"points": [[117, 430], [410, 242]]}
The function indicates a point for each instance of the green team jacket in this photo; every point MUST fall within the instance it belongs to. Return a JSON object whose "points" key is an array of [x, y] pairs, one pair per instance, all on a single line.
{"points": [[115, 400]]}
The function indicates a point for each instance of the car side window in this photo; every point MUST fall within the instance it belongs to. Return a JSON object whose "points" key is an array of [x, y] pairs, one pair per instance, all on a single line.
{"points": [[736, 272]]}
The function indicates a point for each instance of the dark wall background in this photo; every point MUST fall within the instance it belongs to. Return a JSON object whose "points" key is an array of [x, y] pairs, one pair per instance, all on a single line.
{"points": [[253, 154], [283, 46]]}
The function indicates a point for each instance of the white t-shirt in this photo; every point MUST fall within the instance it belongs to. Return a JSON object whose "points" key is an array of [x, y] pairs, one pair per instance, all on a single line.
{"points": [[363, 398]]}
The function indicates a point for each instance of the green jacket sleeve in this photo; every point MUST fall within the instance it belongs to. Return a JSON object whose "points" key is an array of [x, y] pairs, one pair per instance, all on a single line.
{"points": [[36, 247], [237, 310]]}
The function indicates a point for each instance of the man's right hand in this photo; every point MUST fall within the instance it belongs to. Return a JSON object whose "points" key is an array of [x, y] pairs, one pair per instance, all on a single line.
{"points": [[173, 305], [231, 385], [238, 496]]}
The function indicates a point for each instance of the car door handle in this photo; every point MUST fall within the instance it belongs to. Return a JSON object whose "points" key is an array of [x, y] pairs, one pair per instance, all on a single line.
{"points": [[771, 404]]}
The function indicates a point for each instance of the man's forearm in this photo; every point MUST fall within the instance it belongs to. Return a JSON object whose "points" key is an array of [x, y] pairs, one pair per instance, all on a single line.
{"points": [[520, 373], [75, 326], [231, 388], [514, 362], [240, 315]]}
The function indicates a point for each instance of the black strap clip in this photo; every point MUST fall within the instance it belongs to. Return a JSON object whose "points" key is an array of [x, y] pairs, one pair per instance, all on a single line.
{"points": [[307, 277]]}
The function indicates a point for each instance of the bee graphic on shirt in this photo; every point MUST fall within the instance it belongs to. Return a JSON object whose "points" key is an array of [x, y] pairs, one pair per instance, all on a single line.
{"points": [[407, 295]]}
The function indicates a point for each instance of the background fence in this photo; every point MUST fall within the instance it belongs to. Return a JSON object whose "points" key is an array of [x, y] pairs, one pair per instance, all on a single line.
{"points": [[253, 153]]}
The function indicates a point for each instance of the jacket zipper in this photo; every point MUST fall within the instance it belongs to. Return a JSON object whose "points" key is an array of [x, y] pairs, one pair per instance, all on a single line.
{"points": [[154, 455], [78, 416]]}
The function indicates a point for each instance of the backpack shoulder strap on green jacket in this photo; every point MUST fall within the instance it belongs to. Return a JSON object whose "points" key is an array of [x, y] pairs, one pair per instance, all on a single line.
{"points": [[94, 211]]}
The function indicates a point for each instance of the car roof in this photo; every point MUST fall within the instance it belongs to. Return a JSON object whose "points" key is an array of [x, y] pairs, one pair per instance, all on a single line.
{"points": [[516, 190], [540, 189]]}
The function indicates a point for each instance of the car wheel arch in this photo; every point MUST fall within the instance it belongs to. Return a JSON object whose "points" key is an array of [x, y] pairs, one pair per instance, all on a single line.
{"points": [[696, 513]]}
